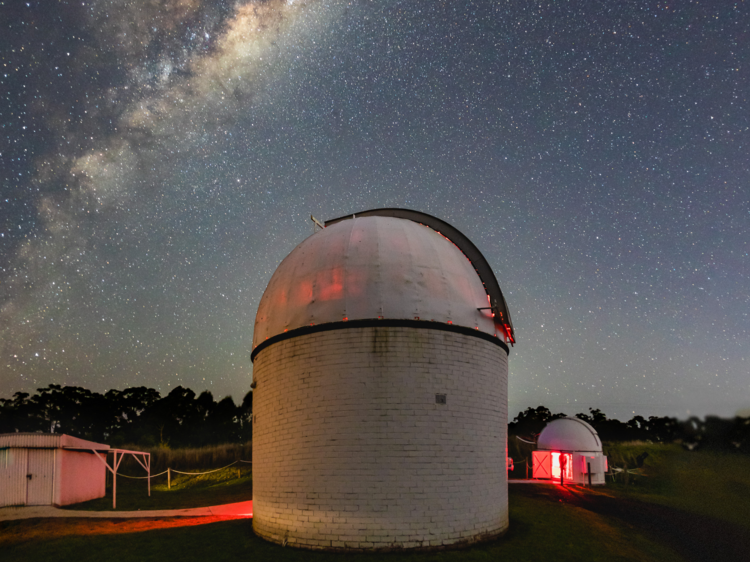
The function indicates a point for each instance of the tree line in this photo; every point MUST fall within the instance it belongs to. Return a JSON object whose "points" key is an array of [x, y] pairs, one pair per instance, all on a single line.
{"points": [[141, 416], [138, 416], [712, 431]]}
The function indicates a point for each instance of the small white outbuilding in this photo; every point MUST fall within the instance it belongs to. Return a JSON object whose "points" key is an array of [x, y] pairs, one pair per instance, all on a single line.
{"points": [[569, 450], [50, 469]]}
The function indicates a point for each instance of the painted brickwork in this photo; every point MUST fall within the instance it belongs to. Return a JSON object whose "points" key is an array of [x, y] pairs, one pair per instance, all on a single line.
{"points": [[351, 451]]}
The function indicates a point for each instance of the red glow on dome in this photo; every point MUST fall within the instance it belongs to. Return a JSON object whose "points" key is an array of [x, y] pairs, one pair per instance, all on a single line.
{"points": [[304, 292], [280, 298], [331, 284]]}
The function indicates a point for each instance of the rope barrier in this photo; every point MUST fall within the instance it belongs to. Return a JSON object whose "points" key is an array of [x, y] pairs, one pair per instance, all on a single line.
{"points": [[178, 472], [209, 472], [140, 477]]}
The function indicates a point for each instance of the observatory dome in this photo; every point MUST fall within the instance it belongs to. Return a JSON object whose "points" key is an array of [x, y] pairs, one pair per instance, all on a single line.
{"points": [[380, 401], [377, 268], [569, 434]]}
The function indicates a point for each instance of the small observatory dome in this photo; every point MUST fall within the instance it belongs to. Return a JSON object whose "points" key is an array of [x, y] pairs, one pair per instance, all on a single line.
{"points": [[569, 451], [569, 434], [380, 378]]}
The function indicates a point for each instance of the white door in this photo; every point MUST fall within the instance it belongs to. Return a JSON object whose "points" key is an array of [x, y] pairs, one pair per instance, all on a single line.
{"points": [[40, 476], [13, 465]]}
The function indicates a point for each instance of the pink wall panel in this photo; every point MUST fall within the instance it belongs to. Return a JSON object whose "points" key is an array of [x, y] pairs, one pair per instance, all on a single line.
{"points": [[81, 477]]}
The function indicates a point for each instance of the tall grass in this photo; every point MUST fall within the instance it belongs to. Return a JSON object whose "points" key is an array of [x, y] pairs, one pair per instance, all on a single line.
{"points": [[710, 482], [188, 460], [626, 453]]}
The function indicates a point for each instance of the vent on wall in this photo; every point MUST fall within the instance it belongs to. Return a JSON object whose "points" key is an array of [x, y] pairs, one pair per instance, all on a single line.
{"points": [[440, 399]]}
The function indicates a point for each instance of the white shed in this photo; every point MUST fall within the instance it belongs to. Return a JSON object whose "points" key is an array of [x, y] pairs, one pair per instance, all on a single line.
{"points": [[49, 469], [59, 469], [569, 450]]}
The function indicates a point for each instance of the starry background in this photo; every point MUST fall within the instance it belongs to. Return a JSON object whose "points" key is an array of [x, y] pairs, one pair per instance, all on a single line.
{"points": [[160, 158]]}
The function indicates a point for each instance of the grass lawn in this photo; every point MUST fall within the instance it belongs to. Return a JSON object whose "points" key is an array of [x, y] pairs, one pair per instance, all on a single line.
{"points": [[711, 483], [698, 487], [540, 530]]}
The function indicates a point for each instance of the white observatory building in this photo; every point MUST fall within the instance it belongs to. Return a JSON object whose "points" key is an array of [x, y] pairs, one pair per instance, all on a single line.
{"points": [[579, 443], [380, 374]]}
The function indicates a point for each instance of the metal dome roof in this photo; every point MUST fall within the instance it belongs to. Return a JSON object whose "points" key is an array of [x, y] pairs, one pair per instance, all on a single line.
{"points": [[569, 434], [380, 268]]}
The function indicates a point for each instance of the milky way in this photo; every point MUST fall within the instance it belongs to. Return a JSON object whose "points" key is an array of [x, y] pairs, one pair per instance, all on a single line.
{"points": [[160, 158]]}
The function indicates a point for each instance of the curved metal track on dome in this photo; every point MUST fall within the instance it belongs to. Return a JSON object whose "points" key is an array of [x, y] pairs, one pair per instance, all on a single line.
{"points": [[481, 266]]}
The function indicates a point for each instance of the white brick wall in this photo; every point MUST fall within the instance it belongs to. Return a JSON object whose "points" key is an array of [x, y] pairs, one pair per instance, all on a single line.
{"points": [[350, 450]]}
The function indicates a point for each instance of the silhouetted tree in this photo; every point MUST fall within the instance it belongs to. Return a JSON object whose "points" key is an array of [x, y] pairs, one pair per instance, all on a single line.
{"points": [[134, 415], [530, 423], [75, 410], [22, 413], [609, 429], [126, 425], [246, 417], [663, 429]]}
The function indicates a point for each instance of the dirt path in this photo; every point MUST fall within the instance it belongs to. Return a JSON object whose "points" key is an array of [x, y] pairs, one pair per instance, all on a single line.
{"points": [[697, 538], [17, 532], [238, 509]]}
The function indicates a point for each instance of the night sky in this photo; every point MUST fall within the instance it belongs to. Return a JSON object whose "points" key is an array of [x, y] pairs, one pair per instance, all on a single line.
{"points": [[160, 158]]}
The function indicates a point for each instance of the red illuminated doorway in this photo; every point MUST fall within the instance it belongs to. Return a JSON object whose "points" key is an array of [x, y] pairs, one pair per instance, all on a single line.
{"points": [[568, 474]]}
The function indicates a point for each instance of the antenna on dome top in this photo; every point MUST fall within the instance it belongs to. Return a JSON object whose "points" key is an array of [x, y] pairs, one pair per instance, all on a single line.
{"points": [[316, 222]]}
